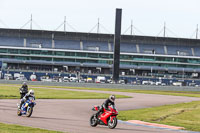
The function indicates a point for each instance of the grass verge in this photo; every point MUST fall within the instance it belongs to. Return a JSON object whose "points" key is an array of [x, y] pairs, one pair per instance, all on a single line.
{"points": [[159, 92], [10, 128], [184, 115], [12, 92]]}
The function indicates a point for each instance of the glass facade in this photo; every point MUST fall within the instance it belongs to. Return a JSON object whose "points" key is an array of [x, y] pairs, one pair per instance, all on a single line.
{"points": [[150, 60]]}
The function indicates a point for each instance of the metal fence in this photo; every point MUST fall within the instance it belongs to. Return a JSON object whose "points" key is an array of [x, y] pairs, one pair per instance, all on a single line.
{"points": [[104, 85]]}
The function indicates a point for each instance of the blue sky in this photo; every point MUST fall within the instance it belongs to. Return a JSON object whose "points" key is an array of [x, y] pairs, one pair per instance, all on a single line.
{"points": [[181, 16]]}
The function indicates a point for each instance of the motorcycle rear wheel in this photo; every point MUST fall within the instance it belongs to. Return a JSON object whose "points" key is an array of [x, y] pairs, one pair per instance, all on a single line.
{"points": [[93, 121], [112, 124], [29, 112]]}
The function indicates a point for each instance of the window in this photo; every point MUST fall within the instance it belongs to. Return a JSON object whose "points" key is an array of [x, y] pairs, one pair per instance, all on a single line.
{"points": [[92, 55], [92, 61], [105, 56], [126, 57], [24, 51], [80, 60], [58, 59], [81, 54], [37, 52], [59, 53], [103, 61], [21, 58], [35, 58], [46, 52], [3, 56], [3, 50], [13, 51], [69, 60]]}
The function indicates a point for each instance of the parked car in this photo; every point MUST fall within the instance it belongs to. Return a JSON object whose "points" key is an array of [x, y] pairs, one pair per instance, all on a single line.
{"points": [[177, 83], [73, 79], [89, 80], [158, 83], [101, 79], [121, 81], [57, 79], [21, 79], [192, 84], [66, 79], [46, 79], [33, 77], [145, 82], [8, 76]]}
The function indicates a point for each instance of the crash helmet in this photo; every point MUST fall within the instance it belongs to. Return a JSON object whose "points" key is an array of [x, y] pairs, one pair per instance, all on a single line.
{"points": [[31, 92], [112, 98], [24, 83]]}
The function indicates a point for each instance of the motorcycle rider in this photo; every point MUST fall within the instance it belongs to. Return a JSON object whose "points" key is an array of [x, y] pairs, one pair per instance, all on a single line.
{"points": [[23, 90], [108, 102], [29, 95]]}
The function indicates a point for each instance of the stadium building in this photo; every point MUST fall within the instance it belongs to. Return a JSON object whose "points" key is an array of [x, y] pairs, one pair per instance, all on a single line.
{"points": [[91, 53]]}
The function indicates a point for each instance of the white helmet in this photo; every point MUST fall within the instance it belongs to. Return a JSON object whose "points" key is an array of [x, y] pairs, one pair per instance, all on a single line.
{"points": [[31, 92], [24, 83], [112, 98]]}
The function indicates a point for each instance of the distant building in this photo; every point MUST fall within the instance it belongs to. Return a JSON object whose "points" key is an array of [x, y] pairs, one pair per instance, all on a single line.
{"points": [[40, 50]]}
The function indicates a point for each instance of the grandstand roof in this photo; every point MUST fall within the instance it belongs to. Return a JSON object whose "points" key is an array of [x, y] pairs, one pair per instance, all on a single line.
{"points": [[60, 35]]}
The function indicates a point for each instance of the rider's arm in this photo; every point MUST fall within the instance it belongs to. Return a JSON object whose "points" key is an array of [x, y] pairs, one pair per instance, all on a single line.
{"points": [[20, 90], [25, 97], [113, 103]]}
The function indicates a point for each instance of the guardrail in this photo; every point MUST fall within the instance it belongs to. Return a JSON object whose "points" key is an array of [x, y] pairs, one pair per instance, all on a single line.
{"points": [[105, 85]]}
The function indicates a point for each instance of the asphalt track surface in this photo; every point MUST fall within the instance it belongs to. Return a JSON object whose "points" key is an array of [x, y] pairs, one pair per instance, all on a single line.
{"points": [[72, 116]]}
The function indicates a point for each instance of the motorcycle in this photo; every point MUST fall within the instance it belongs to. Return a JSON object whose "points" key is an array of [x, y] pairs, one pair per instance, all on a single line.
{"points": [[27, 108], [107, 118], [22, 92]]}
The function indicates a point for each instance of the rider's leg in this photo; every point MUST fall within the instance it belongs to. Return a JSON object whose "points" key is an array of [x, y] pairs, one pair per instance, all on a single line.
{"points": [[99, 111], [21, 95], [21, 102]]}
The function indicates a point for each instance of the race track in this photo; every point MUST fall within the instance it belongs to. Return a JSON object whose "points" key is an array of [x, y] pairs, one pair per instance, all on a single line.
{"points": [[73, 115]]}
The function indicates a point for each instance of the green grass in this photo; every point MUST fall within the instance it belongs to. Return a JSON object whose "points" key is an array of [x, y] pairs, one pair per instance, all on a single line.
{"points": [[10, 128], [185, 115], [159, 92], [12, 92]]}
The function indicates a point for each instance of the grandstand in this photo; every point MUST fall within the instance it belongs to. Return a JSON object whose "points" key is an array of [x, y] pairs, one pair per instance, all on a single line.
{"points": [[71, 52]]}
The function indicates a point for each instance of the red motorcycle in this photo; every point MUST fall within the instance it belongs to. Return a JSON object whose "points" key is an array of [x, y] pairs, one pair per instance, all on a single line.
{"points": [[107, 118]]}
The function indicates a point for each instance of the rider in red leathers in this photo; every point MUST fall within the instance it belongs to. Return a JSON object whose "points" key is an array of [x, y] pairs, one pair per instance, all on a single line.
{"points": [[108, 102]]}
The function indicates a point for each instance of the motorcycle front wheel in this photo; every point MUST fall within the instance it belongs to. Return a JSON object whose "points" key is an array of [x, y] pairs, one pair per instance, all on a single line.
{"points": [[93, 121], [29, 111], [112, 124]]}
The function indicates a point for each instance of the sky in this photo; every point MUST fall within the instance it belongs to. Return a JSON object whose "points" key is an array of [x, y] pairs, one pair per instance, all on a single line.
{"points": [[148, 16]]}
